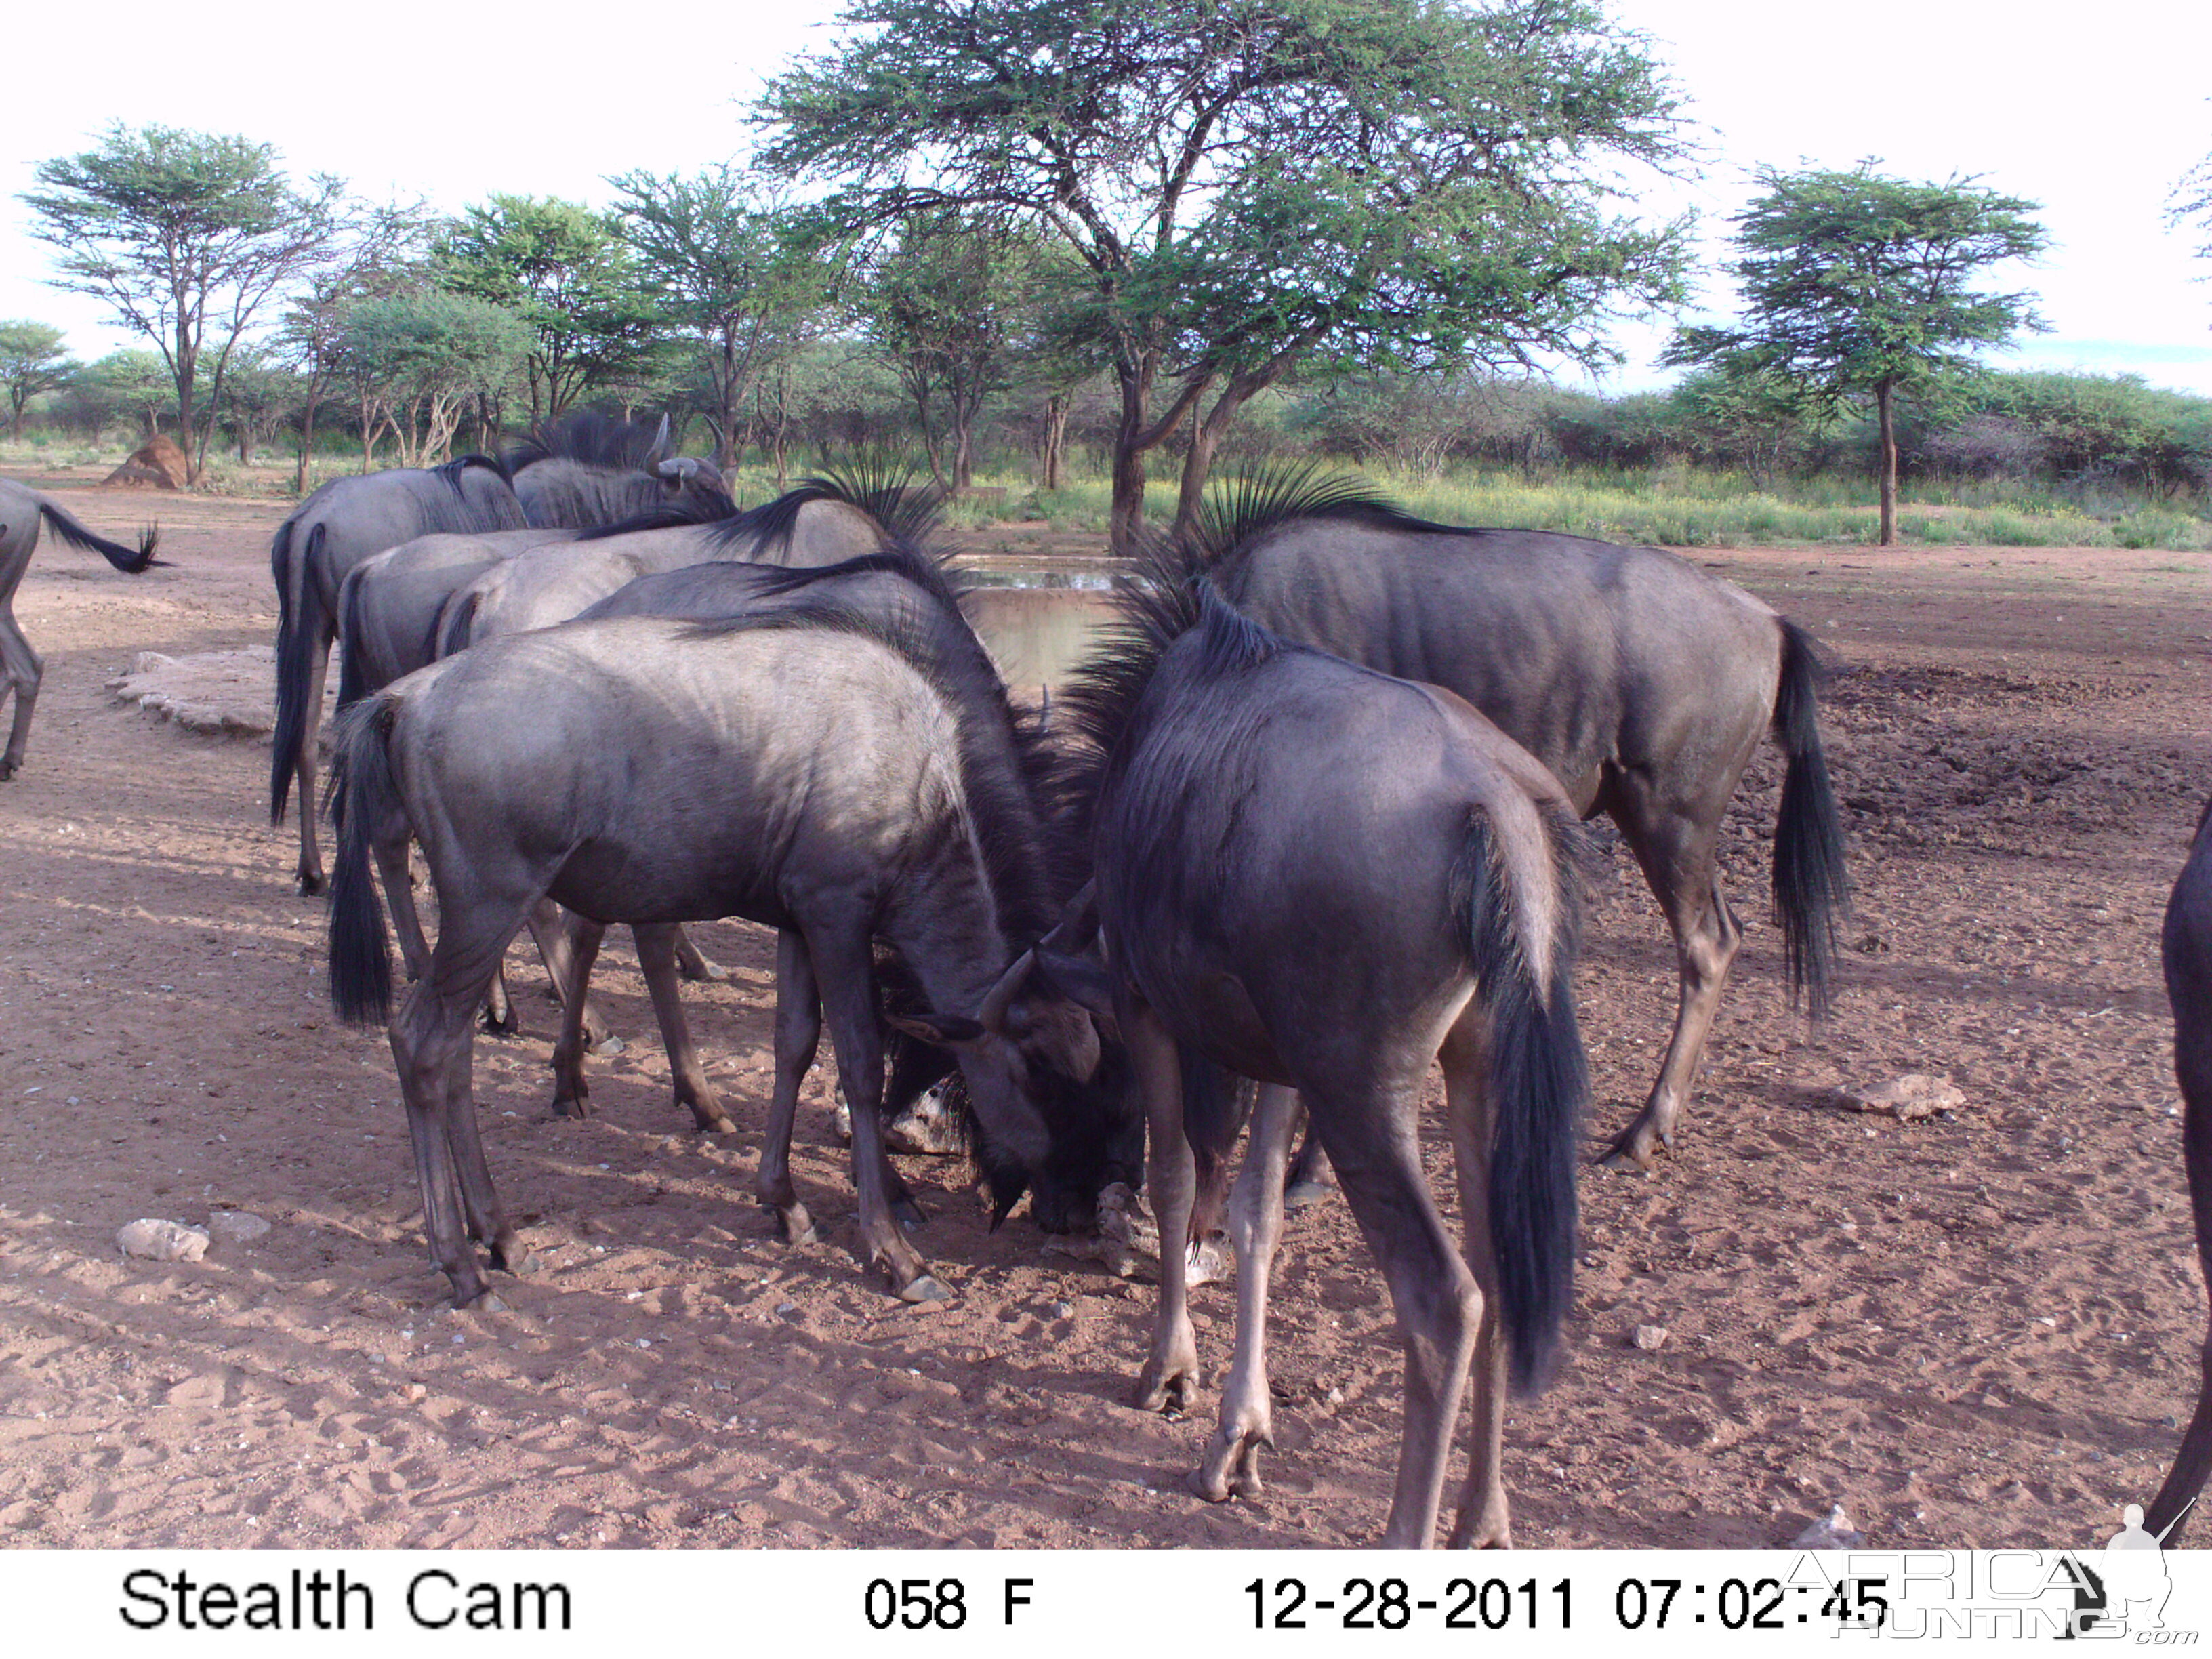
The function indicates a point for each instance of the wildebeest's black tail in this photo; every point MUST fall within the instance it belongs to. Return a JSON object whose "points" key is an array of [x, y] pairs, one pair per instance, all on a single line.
{"points": [[1215, 1104], [353, 672], [455, 629], [1539, 1083], [131, 561], [296, 631], [364, 796], [1810, 885]]}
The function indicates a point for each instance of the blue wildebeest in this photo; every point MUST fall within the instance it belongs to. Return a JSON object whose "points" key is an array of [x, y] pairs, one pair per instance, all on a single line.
{"points": [[582, 463], [1319, 877], [20, 667], [2186, 947], [342, 524], [585, 468], [1642, 682], [404, 608], [900, 588], [808, 773]]}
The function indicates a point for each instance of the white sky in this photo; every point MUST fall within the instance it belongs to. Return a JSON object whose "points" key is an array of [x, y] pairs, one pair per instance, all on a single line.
{"points": [[2094, 112]]}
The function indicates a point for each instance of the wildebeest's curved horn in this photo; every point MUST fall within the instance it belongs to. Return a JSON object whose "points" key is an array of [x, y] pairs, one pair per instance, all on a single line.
{"points": [[992, 1016], [659, 444], [1077, 922]]}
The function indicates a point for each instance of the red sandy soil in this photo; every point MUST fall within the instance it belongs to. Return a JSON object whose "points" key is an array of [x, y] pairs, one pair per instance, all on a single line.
{"points": [[1976, 1330]]}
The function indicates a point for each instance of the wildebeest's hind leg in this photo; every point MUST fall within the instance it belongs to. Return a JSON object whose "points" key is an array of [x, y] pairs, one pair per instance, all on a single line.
{"points": [[1369, 1132], [1231, 1463], [1170, 1378], [1485, 1520], [431, 1042], [19, 670], [1676, 845], [844, 969], [552, 928], [797, 1034], [657, 951], [572, 1091], [693, 963], [308, 876]]}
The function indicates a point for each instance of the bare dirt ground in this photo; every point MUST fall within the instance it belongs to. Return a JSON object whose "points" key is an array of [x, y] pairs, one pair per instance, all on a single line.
{"points": [[1976, 1330]]}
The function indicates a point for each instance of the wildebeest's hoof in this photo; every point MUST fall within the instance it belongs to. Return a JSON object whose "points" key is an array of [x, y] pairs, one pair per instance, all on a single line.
{"points": [[506, 1024], [308, 885], [7, 770], [702, 971], [1301, 1194], [575, 1105], [795, 1224], [907, 1213], [718, 1122], [1173, 1394], [923, 1288], [511, 1255]]}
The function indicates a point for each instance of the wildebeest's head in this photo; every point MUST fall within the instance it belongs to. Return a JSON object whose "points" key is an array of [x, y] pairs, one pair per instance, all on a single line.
{"points": [[1052, 1091]]}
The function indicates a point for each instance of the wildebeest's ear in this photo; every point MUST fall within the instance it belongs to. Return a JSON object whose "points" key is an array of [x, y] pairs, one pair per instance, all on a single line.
{"points": [[945, 1030], [1080, 980]]}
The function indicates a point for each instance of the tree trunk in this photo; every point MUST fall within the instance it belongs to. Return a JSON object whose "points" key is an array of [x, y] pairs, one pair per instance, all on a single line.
{"points": [[1882, 395], [1054, 441], [306, 445]]}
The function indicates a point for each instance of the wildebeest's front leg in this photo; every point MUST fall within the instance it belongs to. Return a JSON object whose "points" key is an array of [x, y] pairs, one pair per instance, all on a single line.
{"points": [[844, 968], [1170, 1379], [1231, 1463], [20, 668], [1676, 845], [658, 946], [572, 1091]]}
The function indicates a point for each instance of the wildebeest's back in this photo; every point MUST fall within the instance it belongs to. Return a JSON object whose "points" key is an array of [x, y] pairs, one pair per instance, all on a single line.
{"points": [[1342, 794], [1583, 651], [673, 776]]}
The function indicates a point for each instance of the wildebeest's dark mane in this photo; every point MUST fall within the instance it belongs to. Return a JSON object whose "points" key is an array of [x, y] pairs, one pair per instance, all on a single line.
{"points": [[902, 512], [589, 437], [698, 505], [1009, 772], [1165, 595], [451, 470], [1256, 499]]}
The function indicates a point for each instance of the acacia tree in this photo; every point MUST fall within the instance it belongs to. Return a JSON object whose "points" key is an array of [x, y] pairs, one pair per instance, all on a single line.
{"points": [[1858, 287], [418, 360], [952, 302], [566, 272], [33, 358], [743, 278], [1396, 183], [376, 254], [185, 236]]}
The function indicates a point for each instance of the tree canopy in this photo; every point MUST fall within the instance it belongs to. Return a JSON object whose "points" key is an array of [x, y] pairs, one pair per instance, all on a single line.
{"points": [[739, 275], [185, 235], [567, 272], [1250, 182], [1856, 286], [33, 358]]}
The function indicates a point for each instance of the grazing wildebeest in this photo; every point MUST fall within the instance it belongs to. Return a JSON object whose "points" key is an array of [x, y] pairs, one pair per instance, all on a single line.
{"points": [[20, 667], [2186, 947], [1642, 682], [1319, 877], [342, 524], [584, 470], [804, 773], [429, 598], [902, 589]]}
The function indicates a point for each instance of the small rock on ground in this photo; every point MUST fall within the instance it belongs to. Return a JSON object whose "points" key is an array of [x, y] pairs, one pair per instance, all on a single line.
{"points": [[1915, 1094], [237, 1227], [1835, 1532], [161, 1241]]}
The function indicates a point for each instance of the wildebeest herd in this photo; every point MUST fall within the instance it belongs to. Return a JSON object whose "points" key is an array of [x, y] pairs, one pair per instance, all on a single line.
{"points": [[1307, 823]]}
